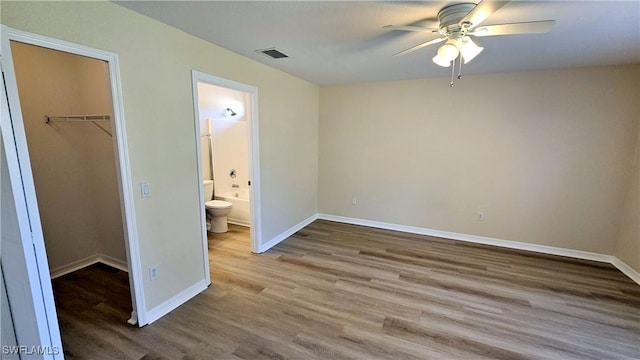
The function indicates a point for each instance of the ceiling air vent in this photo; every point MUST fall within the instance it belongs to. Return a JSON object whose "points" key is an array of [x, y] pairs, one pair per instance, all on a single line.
{"points": [[273, 53]]}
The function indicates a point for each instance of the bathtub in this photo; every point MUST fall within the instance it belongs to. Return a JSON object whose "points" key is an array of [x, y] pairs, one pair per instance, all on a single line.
{"points": [[240, 211]]}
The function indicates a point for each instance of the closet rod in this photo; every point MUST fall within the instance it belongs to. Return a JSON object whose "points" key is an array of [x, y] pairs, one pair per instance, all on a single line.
{"points": [[49, 119], [80, 118]]}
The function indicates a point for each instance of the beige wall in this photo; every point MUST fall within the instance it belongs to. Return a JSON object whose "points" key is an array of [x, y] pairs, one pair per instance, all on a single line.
{"points": [[628, 244], [73, 163], [155, 66], [545, 155]]}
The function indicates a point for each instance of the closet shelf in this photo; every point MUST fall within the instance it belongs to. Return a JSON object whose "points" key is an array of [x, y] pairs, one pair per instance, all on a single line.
{"points": [[80, 118]]}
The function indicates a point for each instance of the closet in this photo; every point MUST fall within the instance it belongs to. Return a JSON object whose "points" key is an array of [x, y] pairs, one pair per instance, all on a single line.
{"points": [[67, 110]]}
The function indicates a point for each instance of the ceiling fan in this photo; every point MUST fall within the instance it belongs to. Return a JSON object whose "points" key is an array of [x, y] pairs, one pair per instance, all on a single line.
{"points": [[459, 22]]}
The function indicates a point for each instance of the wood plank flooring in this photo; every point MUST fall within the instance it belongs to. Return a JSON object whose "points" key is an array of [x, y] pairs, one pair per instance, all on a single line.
{"points": [[337, 291]]}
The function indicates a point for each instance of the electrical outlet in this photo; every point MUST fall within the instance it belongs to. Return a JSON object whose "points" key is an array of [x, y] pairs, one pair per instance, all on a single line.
{"points": [[153, 272], [480, 216], [354, 201]]}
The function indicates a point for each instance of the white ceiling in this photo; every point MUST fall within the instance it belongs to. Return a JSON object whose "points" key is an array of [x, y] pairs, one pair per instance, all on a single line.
{"points": [[336, 42]]}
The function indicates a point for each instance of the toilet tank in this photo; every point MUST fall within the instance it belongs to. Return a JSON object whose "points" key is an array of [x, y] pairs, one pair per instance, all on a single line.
{"points": [[208, 189]]}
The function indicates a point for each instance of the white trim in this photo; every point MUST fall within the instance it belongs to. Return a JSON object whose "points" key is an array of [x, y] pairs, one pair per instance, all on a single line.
{"points": [[254, 150], [56, 44], [125, 186], [472, 238], [73, 266], [255, 212], [88, 261], [544, 249], [23, 188], [113, 262], [177, 300], [283, 236], [239, 222], [122, 163], [626, 269], [200, 177]]}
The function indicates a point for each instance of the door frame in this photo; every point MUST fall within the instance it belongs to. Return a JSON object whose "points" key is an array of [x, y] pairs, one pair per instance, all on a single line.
{"points": [[253, 151], [23, 165], [37, 301]]}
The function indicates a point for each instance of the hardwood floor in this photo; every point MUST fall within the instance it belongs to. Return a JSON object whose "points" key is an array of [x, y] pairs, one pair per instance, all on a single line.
{"points": [[337, 291]]}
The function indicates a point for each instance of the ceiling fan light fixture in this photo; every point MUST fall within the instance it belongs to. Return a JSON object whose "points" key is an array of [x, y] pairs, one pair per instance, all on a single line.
{"points": [[458, 21], [469, 49], [440, 61], [449, 51]]}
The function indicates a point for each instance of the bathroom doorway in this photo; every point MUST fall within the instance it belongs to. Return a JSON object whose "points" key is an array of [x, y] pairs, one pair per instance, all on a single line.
{"points": [[74, 113], [226, 122]]}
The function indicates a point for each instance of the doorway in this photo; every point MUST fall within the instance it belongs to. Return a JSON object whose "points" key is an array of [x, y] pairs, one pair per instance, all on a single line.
{"points": [[67, 112], [232, 108], [33, 269]]}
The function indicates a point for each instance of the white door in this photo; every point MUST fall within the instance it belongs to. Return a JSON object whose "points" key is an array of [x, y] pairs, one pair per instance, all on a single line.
{"points": [[8, 335], [24, 261]]}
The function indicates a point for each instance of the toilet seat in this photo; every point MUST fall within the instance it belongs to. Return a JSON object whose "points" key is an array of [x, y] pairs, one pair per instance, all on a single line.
{"points": [[218, 204]]}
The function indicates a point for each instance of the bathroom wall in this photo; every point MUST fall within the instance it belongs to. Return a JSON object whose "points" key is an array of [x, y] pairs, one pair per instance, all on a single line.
{"points": [[73, 163], [545, 155], [230, 135]]}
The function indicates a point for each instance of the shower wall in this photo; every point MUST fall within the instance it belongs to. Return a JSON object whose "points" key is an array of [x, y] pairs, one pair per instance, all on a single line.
{"points": [[230, 135]]}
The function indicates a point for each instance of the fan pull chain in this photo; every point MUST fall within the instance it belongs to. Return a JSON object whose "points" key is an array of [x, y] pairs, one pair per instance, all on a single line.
{"points": [[453, 70]]}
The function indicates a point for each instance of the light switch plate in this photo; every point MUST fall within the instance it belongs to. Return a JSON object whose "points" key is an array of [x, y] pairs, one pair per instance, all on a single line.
{"points": [[145, 189]]}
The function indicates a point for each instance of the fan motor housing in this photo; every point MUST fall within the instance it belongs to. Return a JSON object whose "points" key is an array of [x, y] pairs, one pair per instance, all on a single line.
{"points": [[450, 17]]}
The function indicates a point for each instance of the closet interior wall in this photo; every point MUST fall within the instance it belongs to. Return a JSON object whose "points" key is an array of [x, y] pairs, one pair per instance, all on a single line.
{"points": [[73, 163]]}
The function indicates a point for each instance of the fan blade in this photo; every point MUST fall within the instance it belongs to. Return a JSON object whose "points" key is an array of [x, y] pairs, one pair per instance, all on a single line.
{"points": [[409, 28], [532, 27], [420, 46], [482, 11]]}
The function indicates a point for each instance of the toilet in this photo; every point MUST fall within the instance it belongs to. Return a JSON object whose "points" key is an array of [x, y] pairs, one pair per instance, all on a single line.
{"points": [[217, 210]]}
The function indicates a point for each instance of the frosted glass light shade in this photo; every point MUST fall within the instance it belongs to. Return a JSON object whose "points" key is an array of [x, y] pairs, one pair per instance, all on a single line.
{"points": [[440, 61], [469, 49], [448, 51]]}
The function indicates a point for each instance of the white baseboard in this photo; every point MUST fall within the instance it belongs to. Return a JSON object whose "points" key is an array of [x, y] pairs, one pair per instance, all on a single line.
{"points": [[73, 266], [239, 222], [292, 230], [544, 249], [626, 269], [114, 262], [88, 261], [177, 300]]}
